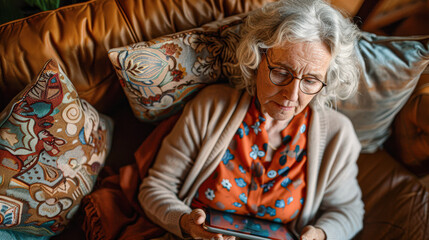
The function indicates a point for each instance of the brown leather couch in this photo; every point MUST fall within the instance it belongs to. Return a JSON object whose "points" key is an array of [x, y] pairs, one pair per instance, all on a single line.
{"points": [[79, 36]]}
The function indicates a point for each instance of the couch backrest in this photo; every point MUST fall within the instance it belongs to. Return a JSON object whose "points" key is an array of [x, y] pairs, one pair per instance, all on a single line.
{"points": [[79, 36]]}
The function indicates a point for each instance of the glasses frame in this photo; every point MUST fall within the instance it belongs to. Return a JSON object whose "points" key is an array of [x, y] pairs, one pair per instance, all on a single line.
{"points": [[293, 77]]}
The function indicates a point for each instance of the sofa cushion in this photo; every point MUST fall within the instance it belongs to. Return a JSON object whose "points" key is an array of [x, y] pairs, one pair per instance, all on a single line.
{"points": [[391, 67], [160, 75], [52, 146]]}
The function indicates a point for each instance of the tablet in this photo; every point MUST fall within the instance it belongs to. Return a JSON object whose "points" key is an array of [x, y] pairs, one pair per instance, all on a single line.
{"points": [[245, 227]]}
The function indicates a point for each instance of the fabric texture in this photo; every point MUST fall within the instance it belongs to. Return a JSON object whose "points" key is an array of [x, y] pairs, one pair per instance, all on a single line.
{"points": [[112, 211], [161, 75], [249, 181], [391, 67], [52, 146], [196, 145]]}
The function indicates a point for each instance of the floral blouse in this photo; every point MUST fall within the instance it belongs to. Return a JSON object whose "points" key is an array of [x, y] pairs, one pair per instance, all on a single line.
{"points": [[246, 183]]}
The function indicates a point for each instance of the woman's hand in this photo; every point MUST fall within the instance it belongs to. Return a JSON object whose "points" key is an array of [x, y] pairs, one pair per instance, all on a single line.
{"points": [[312, 233], [192, 224]]}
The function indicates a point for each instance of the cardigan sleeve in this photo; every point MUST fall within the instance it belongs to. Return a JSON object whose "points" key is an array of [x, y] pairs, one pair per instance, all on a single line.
{"points": [[158, 194], [341, 211], [186, 153]]}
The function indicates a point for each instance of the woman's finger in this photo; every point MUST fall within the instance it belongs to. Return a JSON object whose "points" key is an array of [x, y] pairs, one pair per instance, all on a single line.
{"points": [[228, 237], [198, 216]]}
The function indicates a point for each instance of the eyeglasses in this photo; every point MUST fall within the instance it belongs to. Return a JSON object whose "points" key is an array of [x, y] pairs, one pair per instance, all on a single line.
{"points": [[282, 77]]}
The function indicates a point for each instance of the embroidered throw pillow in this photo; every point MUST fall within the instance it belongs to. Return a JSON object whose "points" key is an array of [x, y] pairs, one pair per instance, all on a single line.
{"points": [[391, 68], [159, 76], [52, 146]]}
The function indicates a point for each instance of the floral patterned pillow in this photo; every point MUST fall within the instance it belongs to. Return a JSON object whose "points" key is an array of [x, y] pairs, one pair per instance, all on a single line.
{"points": [[160, 75], [52, 146]]}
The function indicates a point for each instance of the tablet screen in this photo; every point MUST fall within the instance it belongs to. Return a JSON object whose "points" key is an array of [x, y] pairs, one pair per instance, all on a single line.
{"points": [[247, 225]]}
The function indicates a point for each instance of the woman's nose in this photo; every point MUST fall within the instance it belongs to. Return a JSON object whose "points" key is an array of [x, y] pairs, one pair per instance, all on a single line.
{"points": [[291, 90]]}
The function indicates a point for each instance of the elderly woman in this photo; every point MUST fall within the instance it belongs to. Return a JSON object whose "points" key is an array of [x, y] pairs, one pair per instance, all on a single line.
{"points": [[274, 150]]}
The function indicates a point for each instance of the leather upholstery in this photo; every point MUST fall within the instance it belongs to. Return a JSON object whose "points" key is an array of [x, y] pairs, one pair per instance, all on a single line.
{"points": [[411, 130], [80, 48], [153, 18], [79, 36], [396, 204]]}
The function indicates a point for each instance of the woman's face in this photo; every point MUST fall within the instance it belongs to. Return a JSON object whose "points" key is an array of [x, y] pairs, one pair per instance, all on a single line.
{"points": [[305, 59]]}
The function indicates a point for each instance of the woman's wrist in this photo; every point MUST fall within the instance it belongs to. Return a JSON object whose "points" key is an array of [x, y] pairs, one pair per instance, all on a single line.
{"points": [[183, 226]]}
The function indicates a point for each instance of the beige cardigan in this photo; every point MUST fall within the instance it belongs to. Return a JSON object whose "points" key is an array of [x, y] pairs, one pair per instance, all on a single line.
{"points": [[195, 146]]}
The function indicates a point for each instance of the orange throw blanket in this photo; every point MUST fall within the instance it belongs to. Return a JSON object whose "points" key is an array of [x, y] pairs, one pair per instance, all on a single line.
{"points": [[112, 211]]}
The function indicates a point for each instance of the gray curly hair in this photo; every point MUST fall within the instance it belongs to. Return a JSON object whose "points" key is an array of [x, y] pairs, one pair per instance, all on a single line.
{"points": [[301, 21]]}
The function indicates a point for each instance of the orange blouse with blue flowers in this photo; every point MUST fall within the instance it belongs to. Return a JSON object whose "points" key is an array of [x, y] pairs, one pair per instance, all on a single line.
{"points": [[246, 183]]}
